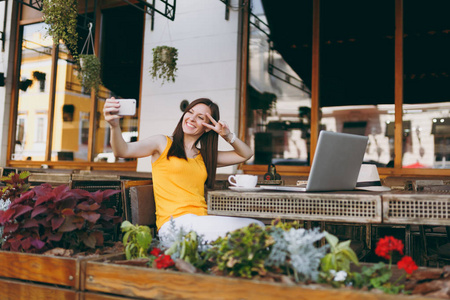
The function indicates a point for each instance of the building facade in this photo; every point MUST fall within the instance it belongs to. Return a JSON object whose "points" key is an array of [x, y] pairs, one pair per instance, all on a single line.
{"points": [[280, 73]]}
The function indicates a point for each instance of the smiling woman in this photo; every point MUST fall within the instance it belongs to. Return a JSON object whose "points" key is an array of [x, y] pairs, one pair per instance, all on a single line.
{"points": [[183, 164]]}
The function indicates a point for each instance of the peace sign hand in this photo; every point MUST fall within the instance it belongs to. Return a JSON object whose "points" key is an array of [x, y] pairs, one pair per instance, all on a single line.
{"points": [[221, 127]]}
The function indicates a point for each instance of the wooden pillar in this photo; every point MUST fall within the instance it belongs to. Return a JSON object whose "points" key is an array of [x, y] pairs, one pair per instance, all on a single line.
{"points": [[315, 78], [398, 94], [245, 14], [51, 102], [93, 117]]}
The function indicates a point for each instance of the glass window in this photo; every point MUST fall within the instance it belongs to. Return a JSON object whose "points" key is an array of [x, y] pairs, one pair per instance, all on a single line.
{"points": [[121, 73], [41, 128], [279, 102], [71, 115], [33, 101], [426, 84], [357, 73], [121, 70]]}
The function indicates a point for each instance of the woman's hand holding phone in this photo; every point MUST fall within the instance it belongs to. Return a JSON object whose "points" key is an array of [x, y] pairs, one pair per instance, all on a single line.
{"points": [[110, 111]]}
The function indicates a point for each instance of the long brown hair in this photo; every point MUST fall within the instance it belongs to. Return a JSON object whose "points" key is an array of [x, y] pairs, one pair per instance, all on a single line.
{"points": [[208, 141]]}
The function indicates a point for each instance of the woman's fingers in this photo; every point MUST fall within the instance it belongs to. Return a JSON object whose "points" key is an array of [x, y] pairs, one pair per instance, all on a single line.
{"points": [[211, 119], [208, 126], [111, 106], [223, 123]]}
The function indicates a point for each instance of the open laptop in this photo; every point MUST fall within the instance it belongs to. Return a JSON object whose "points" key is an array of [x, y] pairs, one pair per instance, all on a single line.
{"points": [[336, 164]]}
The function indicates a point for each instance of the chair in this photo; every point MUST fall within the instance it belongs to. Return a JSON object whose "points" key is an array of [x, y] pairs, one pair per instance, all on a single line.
{"points": [[439, 254], [142, 205]]}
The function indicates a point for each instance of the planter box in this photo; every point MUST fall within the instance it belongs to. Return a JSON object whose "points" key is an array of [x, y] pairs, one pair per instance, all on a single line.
{"points": [[147, 283], [41, 268], [13, 290], [62, 271], [96, 296]]}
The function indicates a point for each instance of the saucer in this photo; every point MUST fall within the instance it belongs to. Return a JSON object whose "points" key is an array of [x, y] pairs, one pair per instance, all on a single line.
{"points": [[244, 189]]}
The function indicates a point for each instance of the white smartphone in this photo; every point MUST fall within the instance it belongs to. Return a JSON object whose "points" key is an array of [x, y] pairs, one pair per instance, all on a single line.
{"points": [[127, 107]]}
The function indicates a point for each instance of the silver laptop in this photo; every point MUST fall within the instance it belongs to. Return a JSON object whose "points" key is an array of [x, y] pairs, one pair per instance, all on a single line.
{"points": [[336, 164]]}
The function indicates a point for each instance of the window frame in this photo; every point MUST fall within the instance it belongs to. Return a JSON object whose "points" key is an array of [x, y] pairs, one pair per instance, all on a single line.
{"points": [[29, 16], [398, 96]]}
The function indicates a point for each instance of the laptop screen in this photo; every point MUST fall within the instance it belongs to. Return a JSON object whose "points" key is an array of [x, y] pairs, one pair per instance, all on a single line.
{"points": [[336, 162]]}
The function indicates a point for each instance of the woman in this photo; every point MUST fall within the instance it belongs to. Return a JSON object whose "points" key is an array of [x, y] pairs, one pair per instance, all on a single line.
{"points": [[183, 164]]}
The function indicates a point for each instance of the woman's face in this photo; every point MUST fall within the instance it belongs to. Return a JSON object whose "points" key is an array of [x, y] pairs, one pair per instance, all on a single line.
{"points": [[193, 119]]}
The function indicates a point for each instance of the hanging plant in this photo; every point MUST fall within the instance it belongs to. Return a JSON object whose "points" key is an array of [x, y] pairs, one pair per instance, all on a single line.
{"points": [[90, 66], [61, 18], [89, 74], [164, 63]]}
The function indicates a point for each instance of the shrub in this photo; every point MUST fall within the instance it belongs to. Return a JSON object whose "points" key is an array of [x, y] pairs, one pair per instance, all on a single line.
{"points": [[45, 218]]}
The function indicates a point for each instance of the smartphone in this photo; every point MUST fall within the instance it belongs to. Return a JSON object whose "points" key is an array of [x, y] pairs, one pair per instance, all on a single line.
{"points": [[127, 107]]}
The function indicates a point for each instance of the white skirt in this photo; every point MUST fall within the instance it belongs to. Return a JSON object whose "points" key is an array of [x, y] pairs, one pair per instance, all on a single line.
{"points": [[210, 227]]}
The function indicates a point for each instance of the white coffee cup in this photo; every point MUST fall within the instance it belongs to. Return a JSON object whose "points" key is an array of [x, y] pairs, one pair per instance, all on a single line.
{"points": [[243, 180]]}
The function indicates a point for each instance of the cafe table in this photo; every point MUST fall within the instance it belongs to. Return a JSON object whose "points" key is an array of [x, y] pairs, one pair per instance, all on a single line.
{"points": [[416, 208], [356, 207]]}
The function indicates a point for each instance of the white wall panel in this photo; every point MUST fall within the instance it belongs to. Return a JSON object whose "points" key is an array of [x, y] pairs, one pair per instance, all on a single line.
{"points": [[207, 67]]}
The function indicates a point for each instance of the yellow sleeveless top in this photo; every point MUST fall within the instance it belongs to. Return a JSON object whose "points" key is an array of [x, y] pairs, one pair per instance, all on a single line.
{"points": [[178, 186]]}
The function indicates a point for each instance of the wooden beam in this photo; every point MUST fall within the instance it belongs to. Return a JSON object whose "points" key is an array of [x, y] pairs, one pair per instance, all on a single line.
{"points": [[14, 91], [243, 91], [51, 103], [243, 80], [315, 97], [94, 100], [398, 94]]}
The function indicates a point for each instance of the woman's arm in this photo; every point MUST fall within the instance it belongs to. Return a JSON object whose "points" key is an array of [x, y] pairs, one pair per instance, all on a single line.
{"points": [[149, 146], [242, 152]]}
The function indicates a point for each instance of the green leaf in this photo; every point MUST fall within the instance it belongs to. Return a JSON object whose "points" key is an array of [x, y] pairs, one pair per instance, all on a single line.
{"points": [[126, 226], [128, 251], [24, 175], [344, 245], [331, 239], [351, 255], [143, 240], [327, 262], [125, 238]]}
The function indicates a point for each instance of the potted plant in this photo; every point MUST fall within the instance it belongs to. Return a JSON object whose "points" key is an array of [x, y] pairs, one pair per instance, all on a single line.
{"points": [[283, 260], [164, 63], [89, 73], [61, 18]]}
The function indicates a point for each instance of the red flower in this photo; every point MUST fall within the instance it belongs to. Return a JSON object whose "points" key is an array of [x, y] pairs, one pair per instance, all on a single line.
{"points": [[156, 252], [408, 264], [388, 244], [164, 261]]}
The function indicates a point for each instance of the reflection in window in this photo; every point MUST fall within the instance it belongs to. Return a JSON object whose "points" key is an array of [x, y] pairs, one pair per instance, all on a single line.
{"points": [[279, 103], [33, 101], [84, 128], [357, 73], [426, 83], [40, 76], [71, 112], [41, 129], [121, 73]]}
